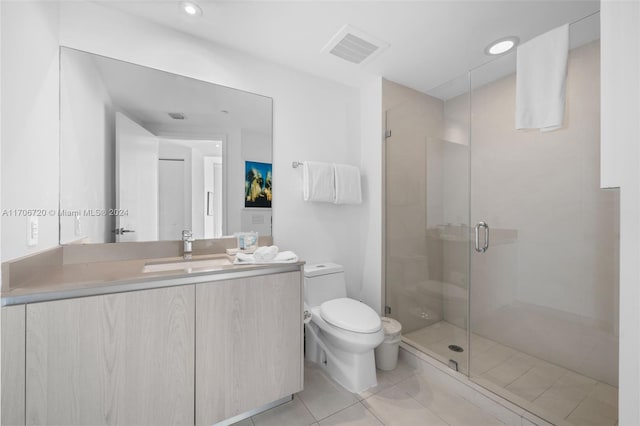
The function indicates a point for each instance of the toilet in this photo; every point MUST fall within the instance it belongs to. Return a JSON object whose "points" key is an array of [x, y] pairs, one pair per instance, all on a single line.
{"points": [[342, 332]]}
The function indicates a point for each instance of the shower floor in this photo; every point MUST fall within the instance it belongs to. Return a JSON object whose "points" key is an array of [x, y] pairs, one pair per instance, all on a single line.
{"points": [[554, 393]]}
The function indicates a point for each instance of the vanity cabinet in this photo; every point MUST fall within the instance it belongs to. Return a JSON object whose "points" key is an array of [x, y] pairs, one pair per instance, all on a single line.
{"points": [[200, 352], [248, 344], [125, 358], [13, 327]]}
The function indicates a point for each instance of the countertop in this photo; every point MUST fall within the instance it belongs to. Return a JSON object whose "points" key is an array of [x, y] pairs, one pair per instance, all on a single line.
{"points": [[62, 281]]}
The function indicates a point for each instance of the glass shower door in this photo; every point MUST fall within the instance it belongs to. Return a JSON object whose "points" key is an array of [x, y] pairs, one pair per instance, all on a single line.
{"points": [[543, 311], [426, 168]]}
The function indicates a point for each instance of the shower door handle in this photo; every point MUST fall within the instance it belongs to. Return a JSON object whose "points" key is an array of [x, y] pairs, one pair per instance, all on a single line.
{"points": [[485, 246]]}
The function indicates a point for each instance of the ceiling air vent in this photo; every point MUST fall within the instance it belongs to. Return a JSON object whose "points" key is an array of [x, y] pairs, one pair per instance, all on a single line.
{"points": [[354, 46], [176, 115]]}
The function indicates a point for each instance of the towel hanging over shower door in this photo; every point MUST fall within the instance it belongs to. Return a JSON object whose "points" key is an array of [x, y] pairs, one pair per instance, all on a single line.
{"points": [[540, 80]]}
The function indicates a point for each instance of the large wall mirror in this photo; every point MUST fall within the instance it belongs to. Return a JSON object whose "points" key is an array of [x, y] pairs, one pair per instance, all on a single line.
{"points": [[145, 154]]}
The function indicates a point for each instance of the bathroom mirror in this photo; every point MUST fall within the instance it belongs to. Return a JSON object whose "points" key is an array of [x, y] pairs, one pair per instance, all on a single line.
{"points": [[145, 154]]}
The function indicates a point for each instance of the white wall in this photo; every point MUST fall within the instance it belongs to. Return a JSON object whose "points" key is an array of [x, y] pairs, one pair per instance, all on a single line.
{"points": [[29, 122], [371, 149], [620, 37]]}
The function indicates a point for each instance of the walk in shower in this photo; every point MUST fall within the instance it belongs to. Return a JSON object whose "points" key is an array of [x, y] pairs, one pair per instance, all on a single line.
{"points": [[534, 317]]}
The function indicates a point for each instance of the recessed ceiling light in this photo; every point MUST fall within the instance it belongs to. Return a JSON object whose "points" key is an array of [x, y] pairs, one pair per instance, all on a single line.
{"points": [[502, 45], [191, 8]]}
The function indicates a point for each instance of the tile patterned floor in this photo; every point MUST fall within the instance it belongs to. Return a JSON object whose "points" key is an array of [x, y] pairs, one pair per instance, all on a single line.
{"points": [[403, 397], [551, 391]]}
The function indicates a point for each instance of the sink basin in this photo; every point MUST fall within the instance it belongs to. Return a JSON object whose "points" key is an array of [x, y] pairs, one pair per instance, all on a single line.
{"points": [[188, 265]]}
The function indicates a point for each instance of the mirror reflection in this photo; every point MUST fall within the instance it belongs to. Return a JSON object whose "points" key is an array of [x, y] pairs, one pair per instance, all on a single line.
{"points": [[145, 154]]}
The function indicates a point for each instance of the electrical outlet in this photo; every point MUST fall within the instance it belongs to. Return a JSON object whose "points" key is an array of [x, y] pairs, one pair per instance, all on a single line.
{"points": [[32, 231]]}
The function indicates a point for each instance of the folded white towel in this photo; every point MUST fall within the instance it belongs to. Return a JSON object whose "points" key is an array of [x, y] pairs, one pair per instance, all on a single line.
{"points": [[265, 254], [540, 80], [318, 181], [249, 259], [348, 187]]}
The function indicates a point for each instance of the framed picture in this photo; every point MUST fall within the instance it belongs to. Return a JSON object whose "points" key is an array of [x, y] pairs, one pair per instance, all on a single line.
{"points": [[258, 189]]}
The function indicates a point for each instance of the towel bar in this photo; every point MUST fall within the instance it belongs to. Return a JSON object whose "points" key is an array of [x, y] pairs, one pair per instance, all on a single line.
{"points": [[296, 164]]}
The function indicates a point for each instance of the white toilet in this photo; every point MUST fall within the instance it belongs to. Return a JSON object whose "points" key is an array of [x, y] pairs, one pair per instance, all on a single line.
{"points": [[343, 332]]}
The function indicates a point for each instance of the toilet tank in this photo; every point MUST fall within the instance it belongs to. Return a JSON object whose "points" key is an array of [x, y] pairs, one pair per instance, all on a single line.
{"points": [[322, 282]]}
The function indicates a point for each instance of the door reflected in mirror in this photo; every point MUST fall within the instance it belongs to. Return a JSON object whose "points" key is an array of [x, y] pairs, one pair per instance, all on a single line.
{"points": [[145, 154]]}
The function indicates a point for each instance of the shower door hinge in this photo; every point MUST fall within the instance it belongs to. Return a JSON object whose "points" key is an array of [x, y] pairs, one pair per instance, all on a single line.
{"points": [[387, 310], [387, 134]]}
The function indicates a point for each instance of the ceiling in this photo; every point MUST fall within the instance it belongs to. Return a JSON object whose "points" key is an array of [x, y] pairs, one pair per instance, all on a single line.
{"points": [[431, 42], [148, 95]]}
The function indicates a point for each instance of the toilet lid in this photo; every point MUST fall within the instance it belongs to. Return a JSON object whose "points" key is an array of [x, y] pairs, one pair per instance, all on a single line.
{"points": [[350, 315]]}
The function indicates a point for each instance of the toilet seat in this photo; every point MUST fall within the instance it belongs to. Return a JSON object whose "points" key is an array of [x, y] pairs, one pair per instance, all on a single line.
{"points": [[351, 315]]}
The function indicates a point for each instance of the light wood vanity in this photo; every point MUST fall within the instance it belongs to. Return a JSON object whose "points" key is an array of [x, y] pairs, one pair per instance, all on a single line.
{"points": [[183, 349], [248, 344]]}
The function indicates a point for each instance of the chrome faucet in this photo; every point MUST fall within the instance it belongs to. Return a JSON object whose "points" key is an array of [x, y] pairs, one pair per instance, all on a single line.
{"points": [[187, 240]]}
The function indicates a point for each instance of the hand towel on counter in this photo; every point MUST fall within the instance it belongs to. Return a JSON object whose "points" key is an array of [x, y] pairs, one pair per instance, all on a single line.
{"points": [[348, 187], [541, 72], [265, 254], [250, 259], [318, 181]]}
